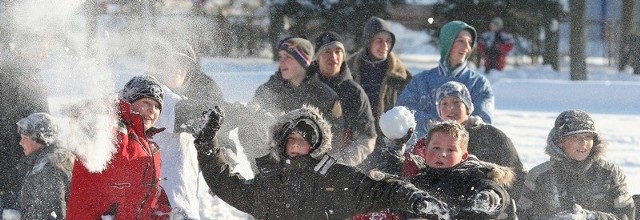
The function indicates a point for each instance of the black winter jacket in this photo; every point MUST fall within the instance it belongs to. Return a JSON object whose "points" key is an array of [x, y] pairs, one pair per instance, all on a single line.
{"points": [[304, 187], [356, 135], [45, 188], [490, 144], [457, 186], [278, 96]]}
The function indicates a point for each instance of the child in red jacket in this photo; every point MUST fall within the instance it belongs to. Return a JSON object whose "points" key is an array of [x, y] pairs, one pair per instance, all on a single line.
{"points": [[127, 185]]}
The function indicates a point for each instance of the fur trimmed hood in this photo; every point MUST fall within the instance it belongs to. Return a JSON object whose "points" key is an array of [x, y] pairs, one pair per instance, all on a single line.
{"points": [[556, 153], [282, 127], [503, 176]]}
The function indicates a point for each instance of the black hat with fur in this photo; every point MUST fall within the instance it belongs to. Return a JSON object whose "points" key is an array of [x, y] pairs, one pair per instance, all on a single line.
{"points": [[308, 122]]}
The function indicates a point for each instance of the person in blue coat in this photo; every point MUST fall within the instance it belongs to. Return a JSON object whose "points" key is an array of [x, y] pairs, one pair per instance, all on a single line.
{"points": [[457, 40]]}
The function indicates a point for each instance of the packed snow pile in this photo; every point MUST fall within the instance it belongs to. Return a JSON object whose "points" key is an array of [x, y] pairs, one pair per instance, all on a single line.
{"points": [[396, 122]]}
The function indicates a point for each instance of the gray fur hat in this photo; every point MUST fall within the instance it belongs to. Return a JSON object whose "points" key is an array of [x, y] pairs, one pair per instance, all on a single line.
{"points": [[572, 122], [456, 89], [40, 127], [143, 86]]}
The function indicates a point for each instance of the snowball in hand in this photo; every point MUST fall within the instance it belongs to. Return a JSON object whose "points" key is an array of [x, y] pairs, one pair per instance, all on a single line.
{"points": [[396, 122]]}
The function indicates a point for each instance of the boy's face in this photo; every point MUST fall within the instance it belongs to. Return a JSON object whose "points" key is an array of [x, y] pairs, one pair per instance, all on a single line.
{"points": [[296, 145], [380, 45], [149, 109], [443, 151], [452, 108], [29, 145], [172, 76], [577, 146], [330, 60], [289, 66], [461, 48]]}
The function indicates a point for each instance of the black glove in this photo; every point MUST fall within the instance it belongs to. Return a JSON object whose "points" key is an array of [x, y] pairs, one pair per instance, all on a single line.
{"points": [[428, 206], [484, 203], [397, 145], [205, 135]]}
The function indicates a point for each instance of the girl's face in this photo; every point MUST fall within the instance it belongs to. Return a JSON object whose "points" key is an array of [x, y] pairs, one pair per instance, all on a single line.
{"points": [[296, 145], [577, 146], [380, 45], [149, 109], [452, 108], [443, 151], [29, 145]]}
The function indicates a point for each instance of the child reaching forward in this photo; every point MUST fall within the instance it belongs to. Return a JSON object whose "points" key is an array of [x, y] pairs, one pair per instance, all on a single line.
{"points": [[473, 189]]}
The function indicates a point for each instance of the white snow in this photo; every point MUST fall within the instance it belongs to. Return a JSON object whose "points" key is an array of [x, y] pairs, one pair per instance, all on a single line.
{"points": [[396, 122]]}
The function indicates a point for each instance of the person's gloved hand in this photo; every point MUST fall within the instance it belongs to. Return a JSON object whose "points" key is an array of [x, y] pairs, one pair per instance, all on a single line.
{"points": [[213, 119], [398, 145], [178, 213], [577, 213], [426, 205], [485, 202]]}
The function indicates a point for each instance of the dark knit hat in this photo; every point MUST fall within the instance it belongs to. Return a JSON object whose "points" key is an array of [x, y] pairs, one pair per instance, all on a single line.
{"points": [[299, 48], [143, 86], [573, 122], [40, 127], [456, 89], [326, 40], [309, 130]]}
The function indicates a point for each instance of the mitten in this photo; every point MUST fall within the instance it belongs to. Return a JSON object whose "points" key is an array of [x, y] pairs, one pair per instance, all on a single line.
{"points": [[576, 213], [205, 135], [397, 145], [486, 201]]}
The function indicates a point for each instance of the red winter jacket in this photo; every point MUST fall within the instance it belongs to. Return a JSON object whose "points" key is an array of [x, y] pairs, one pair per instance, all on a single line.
{"points": [[129, 186], [499, 51]]}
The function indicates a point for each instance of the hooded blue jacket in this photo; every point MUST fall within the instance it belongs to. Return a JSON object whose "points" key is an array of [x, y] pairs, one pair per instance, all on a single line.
{"points": [[419, 94]]}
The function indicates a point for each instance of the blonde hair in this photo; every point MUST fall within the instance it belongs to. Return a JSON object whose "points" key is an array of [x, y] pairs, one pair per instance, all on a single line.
{"points": [[452, 128]]}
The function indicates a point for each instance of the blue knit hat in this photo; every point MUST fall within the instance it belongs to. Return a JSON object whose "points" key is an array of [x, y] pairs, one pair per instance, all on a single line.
{"points": [[455, 89], [299, 48]]}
